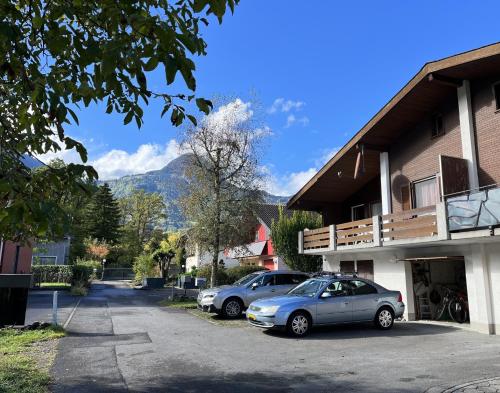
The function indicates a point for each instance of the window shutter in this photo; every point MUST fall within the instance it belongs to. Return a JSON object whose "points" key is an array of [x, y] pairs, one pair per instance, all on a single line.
{"points": [[405, 198]]}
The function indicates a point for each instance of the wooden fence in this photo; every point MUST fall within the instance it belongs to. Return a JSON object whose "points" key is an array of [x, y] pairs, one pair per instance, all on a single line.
{"points": [[409, 224]]}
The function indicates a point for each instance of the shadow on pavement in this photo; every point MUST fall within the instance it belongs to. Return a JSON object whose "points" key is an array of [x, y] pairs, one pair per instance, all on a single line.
{"points": [[366, 330]]}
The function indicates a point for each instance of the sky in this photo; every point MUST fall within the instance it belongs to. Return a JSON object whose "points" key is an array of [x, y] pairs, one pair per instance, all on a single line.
{"points": [[316, 70]]}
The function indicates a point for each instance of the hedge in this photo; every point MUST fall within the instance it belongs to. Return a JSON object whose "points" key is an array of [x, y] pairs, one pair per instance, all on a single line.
{"points": [[69, 274], [52, 273]]}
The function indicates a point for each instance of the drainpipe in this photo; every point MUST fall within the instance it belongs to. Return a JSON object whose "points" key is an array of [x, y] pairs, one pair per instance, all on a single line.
{"points": [[16, 260]]}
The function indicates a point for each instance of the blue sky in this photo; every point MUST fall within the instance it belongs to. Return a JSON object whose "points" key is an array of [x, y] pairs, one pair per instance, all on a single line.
{"points": [[334, 63]]}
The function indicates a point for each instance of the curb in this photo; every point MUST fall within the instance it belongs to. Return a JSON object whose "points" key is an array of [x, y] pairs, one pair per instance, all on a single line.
{"points": [[71, 315]]}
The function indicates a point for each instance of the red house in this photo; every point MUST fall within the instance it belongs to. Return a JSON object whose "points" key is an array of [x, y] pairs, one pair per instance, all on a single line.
{"points": [[261, 251]]}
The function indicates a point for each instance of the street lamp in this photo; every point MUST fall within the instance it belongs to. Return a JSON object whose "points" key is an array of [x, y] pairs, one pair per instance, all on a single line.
{"points": [[103, 263]]}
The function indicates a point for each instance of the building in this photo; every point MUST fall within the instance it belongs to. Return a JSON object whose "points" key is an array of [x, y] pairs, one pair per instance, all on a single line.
{"points": [[15, 258], [52, 253], [197, 258], [413, 199], [261, 251]]}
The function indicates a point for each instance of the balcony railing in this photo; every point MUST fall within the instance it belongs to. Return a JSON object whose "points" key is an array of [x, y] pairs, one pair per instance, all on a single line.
{"points": [[410, 224], [423, 224], [354, 232], [474, 211], [317, 239]]}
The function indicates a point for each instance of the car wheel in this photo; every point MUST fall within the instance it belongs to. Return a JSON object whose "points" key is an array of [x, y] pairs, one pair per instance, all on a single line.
{"points": [[232, 308], [299, 324], [384, 319]]}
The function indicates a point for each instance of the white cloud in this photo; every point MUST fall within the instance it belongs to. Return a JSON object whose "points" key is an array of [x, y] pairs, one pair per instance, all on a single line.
{"points": [[116, 163], [282, 105], [325, 156], [229, 116], [287, 184], [147, 157], [292, 119]]}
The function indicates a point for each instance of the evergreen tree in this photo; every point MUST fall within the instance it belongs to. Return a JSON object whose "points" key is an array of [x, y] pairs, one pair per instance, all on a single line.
{"points": [[102, 216]]}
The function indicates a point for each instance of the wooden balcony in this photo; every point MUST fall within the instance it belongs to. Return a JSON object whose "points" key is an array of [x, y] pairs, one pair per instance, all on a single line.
{"points": [[412, 226], [317, 239]]}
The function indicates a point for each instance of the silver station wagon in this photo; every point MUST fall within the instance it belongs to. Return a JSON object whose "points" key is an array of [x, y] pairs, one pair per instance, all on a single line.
{"points": [[231, 300], [327, 300]]}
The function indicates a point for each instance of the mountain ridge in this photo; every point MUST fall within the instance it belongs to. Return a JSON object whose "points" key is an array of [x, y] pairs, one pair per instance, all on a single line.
{"points": [[169, 182]]}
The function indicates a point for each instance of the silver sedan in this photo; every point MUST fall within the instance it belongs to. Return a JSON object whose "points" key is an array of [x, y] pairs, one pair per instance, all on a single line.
{"points": [[328, 301]]}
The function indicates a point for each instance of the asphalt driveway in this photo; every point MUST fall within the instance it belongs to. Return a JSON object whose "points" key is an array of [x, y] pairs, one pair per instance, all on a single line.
{"points": [[121, 340]]}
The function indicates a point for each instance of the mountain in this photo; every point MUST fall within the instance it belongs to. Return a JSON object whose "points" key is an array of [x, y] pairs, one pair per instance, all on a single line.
{"points": [[170, 182]]}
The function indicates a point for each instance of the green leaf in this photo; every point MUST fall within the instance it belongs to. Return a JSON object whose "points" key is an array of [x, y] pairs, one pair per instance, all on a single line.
{"points": [[193, 119], [170, 69], [204, 105], [128, 118], [37, 22], [151, 64]]}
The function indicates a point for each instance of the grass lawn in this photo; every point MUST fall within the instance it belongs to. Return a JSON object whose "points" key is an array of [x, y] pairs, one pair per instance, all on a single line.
{"points": [[58, 285], [24, 362], [188, 304]]}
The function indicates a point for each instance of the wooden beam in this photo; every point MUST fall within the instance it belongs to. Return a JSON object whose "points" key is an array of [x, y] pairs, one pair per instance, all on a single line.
{"points": [[444, 80]]}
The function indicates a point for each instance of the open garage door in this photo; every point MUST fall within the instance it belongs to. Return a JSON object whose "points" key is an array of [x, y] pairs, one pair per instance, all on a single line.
{"points": [[440, 288]]}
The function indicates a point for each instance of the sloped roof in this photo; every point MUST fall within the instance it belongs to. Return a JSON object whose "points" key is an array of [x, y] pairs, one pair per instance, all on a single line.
{"points": [[269, 213], [248, 250], [433, 83]]}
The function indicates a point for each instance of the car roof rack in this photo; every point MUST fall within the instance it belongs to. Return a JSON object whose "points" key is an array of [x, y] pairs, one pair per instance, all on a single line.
{"points": [[336, 274]]}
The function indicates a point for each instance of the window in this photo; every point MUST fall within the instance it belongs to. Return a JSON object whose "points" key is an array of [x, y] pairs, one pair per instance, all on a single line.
{"points": [[496, 94], [290, 279], [43, 260], [358, 212], [437, 125], [362, 288], [425, 193], [338, 288], [266, 280]]}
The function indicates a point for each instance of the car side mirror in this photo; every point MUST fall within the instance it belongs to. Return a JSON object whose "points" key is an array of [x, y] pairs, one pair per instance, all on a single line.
{"points": [[255, 285], [326, 294]]}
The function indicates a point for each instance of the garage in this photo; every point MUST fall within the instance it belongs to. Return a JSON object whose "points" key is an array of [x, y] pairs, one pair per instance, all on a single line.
{"points": [[440, 288]]}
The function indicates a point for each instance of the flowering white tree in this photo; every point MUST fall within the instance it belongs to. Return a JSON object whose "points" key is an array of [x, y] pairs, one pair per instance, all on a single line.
{"points": [[224, 177]]}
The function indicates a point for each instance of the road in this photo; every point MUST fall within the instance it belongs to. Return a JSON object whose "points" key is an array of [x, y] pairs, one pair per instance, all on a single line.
{"points": [[121, 340], [39, 308]]}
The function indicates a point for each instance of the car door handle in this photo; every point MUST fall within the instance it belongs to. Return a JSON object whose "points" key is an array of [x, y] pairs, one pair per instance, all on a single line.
{"points": [[346, 303]]}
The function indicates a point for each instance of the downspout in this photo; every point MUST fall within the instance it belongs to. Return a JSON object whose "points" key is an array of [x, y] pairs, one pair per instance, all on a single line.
{"points": [[2, 249], [16, 260]]}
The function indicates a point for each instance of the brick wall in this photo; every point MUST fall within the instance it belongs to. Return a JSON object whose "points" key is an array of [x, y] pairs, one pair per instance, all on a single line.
{"points": [[416, 155], [487, 124]]}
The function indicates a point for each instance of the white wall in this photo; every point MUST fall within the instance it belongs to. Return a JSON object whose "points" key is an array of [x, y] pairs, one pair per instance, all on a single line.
{"points": [[205, 258]]}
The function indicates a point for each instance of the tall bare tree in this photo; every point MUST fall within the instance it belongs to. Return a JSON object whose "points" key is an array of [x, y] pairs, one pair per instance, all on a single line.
{"points": [[224, 180]]}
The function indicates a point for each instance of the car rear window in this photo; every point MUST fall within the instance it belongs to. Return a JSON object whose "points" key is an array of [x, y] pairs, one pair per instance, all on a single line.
{"points": [[362, 288], [290, 279]]}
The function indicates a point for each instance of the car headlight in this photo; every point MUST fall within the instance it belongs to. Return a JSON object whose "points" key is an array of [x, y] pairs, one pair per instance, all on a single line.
{"points": [[210, 296], [271, 310]]}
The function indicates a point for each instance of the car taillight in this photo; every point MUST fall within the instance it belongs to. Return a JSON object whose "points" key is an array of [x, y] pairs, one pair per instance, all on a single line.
{"points": [[400, 297]]}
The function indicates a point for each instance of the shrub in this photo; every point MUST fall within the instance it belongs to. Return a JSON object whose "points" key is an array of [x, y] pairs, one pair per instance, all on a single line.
{"points": [[206, 271], [144, 266], [237, 272], [94, 265], [82, 274], [79, 289], [52, 273]]}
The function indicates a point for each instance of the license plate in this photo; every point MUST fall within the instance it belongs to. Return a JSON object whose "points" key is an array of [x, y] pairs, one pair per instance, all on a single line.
{"points": [[251, 316]]}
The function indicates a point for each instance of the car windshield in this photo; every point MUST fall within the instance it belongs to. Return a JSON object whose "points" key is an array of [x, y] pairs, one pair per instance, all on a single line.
{"points": [[245, 280], [307, 288]]}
